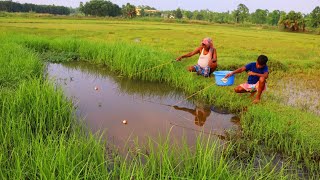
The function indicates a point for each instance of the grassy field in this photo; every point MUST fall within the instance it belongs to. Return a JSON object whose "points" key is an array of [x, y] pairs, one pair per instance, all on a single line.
{"points": [[129, 47]]}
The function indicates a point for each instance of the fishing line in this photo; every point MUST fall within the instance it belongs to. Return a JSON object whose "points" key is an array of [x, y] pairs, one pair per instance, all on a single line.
{"points": [[185, 118], [152, 102], [191, 96], [146, 70], [146, 100], [172, 106], [184, 127]]}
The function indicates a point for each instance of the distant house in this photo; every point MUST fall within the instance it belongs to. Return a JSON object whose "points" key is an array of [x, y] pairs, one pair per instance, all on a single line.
{"points": [[150, 11], [170, 16]]}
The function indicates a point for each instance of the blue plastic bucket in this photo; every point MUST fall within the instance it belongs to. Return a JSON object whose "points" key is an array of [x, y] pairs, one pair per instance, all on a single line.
{"points": [[221, 81]]}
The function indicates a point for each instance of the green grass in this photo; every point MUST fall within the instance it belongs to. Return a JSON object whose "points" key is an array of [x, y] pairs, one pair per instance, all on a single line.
{"points": [[235, 46], [41, 138], [267, 122], [17, 64]]}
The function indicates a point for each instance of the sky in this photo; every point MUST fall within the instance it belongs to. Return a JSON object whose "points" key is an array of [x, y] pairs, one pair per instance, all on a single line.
{"points": [[304, 6]]}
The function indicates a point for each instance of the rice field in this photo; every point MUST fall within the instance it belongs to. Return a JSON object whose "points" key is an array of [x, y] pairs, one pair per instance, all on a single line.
{"points": [[41, 137]]}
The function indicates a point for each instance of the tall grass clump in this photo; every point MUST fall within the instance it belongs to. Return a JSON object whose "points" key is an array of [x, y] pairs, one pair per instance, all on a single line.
{"points": [[17, 64], [207, 159], [41, 139], [124, 58], [285, 130], [39, 135]]}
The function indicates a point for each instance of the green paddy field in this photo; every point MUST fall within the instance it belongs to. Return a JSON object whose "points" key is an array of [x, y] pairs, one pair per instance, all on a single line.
{"points": [[41, 138]]}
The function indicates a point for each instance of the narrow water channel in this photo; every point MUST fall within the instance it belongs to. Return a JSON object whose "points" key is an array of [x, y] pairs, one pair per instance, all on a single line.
{"points": [[104, 100]]}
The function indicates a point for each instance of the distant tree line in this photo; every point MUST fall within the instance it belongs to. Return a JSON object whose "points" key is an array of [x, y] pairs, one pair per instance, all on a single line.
{"points": [[10, 6], [294, 21]]}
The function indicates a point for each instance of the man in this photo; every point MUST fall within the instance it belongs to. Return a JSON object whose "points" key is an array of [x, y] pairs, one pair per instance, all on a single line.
{"points": [[207, 61]]}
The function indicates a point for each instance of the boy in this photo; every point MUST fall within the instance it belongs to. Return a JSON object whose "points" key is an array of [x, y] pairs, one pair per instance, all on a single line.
{"points": [[258, 73]]}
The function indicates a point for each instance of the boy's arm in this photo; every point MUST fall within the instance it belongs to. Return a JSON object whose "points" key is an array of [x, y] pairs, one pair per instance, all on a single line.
{"points": [[265, 75], [240, 70]]}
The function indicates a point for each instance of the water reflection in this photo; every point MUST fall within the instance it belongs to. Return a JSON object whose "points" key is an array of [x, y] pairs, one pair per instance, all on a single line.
{"points": [[219, 110], [201, 113]]}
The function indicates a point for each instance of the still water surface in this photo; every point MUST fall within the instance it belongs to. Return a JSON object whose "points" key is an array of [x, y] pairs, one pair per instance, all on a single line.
{"points": [[103, 100]]}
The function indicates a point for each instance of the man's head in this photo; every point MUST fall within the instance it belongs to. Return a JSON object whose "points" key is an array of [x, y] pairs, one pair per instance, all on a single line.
{"points": [[207, 43], [261, 61]]}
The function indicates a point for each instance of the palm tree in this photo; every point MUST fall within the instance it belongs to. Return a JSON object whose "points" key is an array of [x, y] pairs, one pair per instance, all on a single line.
{"points": [[293, 21]]}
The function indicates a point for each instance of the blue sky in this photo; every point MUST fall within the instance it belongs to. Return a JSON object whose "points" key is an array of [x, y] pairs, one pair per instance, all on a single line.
{"points": [[304, 6]]}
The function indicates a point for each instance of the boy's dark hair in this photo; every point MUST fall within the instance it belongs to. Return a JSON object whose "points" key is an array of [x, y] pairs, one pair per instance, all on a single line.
{"points": [[262, 60]]}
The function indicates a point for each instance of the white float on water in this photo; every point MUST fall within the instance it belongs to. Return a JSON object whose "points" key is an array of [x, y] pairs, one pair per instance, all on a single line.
{"points": [[124, 122]]}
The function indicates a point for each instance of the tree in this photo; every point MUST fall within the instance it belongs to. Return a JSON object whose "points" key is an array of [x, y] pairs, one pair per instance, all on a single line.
{"points": [[178, 13], [146, 7], [274, 17], [241, 13], [10, 6], [129, 10], [142, 12], [206, 15], [259, 16], [100, 8], [293, 21], [224, 17], [187, 14], [315, 17], [81, 7], [197, 15]]}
